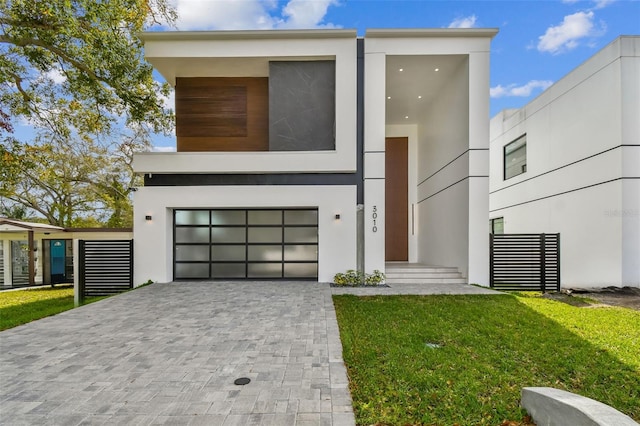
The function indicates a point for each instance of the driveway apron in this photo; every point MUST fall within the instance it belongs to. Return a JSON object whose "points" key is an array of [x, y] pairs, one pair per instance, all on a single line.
{"points": [[170, 353]]}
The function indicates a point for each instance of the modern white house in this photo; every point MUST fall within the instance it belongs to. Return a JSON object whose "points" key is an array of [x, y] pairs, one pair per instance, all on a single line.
{"points": [[305, 153], [569, 162]]}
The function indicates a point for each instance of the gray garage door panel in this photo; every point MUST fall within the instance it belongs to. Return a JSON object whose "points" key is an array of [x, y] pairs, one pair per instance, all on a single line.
{"points": [[245, 244]]}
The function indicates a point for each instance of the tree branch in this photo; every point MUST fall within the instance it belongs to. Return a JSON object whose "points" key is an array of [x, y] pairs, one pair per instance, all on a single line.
{"points": [[18, 81], [29, 24], [25, 42]]}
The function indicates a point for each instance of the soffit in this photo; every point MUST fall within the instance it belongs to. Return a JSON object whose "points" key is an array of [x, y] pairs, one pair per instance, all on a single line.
{"points": [[170, 68], [410, 91]]}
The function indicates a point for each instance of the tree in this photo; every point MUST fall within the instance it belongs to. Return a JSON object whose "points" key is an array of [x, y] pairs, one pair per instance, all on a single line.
{"points": [[69, 185], [52, 180], [74, 70], [77, 65]]}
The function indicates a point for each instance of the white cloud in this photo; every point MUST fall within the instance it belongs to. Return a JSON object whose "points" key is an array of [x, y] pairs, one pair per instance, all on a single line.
{"points": [[163, 149], [169, 102], [566, 36], [603, 3], [464, 22], [251, 14], [55, 75], [525, 90], [305, 13], [599, 4]]}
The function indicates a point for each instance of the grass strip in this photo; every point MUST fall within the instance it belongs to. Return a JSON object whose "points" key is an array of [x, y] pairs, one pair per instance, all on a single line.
{"points": [[444, 360], [23, 306]]}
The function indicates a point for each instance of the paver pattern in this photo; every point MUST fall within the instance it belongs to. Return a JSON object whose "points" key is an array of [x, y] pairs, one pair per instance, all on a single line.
{"points": [[169, 354]]}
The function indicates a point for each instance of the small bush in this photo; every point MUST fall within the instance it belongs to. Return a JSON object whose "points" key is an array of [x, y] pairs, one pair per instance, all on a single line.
{"points": [[353, 278], [376, 278]]}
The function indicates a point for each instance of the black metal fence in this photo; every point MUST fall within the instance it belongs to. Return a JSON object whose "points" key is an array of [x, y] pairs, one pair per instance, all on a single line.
{"points": [[106, 267], [525, 262]]}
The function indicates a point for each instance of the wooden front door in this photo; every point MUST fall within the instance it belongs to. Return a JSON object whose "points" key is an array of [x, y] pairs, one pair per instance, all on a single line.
{"points": [[396, 199]]}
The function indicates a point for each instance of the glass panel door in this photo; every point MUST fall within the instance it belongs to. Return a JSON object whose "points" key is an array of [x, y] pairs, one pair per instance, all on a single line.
{"points": [[20, 263], [246, 243]]}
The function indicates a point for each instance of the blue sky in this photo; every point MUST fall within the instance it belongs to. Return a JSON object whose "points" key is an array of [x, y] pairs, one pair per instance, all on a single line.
{"points": [[539, 41]]}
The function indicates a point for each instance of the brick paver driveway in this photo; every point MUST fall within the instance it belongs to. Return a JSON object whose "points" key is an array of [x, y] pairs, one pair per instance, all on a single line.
{"points": [[169, 353]]}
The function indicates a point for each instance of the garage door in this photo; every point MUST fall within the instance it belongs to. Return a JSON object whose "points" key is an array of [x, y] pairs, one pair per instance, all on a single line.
{"points": [[245, 244]]}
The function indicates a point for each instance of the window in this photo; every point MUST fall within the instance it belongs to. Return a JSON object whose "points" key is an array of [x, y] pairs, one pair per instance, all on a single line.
{"points": [[515, 157], [496, 226]]}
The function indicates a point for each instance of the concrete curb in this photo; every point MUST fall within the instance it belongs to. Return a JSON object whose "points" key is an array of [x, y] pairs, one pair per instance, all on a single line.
{"points": [[555, 407]]}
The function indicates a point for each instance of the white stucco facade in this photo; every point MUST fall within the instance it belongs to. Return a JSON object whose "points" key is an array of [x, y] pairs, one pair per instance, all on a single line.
{"points": [[448, 138], [447, 133], [247, 54], [582, 176], [153, 244]]}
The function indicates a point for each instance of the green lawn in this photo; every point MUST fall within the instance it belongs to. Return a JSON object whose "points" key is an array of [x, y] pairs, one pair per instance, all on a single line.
{"points": [[23, 306], [489, 347]]}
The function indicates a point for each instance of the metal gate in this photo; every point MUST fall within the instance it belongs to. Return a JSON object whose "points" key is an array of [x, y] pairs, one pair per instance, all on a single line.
{"points": [[106, 267], [525, 262]]}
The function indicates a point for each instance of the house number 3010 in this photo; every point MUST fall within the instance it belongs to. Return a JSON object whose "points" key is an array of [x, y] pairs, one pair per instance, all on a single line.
{"points": [[374, 216]]}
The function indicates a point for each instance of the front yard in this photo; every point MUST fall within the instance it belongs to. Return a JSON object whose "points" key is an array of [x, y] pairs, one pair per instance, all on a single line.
{"points": [[446, 360], [23, 306]]}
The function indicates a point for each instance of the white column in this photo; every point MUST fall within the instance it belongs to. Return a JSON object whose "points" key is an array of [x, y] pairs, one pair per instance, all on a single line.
{"points": [[479, 168], [77, 297], [6, 253], [374, 147]]}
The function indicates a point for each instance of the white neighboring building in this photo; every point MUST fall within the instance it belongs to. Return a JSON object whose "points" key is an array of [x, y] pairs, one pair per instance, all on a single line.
{"points": [[569, 162], [309, 152]]}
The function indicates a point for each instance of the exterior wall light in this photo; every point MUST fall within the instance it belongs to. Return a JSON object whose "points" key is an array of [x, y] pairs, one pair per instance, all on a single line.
{"points": [[148, 217]]}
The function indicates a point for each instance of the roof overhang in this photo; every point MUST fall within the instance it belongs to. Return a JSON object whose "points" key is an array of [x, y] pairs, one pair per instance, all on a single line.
{"points": [[10, 225], [245, 35], [431, 32], [238, 53]]}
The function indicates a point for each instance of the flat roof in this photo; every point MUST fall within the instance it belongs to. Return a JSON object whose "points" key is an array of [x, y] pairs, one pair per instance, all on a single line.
{"points": [[246, 34], [26, 225], [430, 32], [315, 34]]}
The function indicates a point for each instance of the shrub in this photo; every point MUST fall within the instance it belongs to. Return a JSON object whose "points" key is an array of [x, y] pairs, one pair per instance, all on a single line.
{"points": [[358, 278], [376, 278]]}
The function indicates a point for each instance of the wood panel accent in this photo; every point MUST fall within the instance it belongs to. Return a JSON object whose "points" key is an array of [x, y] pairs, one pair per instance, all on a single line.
{"points": [[222, 114], [213, 111], [396, 199]]}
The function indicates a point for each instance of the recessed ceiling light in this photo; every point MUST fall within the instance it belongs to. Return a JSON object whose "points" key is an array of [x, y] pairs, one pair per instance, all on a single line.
{"points": [[401, 69], [419, 96], [437, 69], [388, 97], [406, 116]]}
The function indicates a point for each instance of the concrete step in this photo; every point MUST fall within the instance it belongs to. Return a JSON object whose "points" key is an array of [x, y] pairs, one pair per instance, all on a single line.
{"points": [[432, 270], [416, 273], [423, 274], [425, 281]]}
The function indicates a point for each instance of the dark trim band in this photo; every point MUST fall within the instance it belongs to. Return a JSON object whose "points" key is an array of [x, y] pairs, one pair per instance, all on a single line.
{"points": [[251, 179], [564, 192], [453, 184], [449, 163]]}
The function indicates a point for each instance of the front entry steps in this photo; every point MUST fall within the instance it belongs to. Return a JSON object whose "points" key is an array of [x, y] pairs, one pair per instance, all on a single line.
{"points": [[416, 273]]}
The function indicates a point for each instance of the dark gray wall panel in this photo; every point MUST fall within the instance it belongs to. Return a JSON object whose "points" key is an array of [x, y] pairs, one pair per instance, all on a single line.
{"points": [[302, 106]]}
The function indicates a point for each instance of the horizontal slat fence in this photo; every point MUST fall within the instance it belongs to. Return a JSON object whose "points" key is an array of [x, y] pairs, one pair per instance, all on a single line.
{"points": [[525, 262], [106, 267]]}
